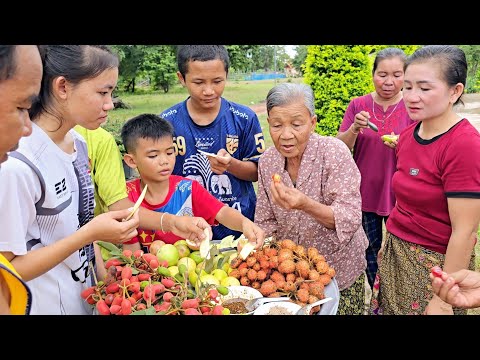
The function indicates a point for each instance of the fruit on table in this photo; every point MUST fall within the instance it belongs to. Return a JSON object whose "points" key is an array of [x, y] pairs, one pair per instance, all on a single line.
{"points": [[155, 246], [389, 138], [169, 253]]}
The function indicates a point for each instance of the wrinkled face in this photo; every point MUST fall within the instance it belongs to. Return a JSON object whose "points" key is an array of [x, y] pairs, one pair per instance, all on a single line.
{"points": [[290, 128], [425, 93], [16, 96], [205, 81], [89, 101], [388, 77], [154, 159]]}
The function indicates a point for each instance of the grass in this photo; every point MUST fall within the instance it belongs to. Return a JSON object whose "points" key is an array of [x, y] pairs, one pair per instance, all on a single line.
{"points": [[243, 92]]}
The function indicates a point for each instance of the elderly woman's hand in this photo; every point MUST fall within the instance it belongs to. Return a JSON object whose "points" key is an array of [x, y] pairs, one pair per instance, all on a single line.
{"points": [[286, 197]]}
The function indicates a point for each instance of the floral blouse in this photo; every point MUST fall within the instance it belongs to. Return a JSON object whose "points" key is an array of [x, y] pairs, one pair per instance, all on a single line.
{"points": [[328, 174]]}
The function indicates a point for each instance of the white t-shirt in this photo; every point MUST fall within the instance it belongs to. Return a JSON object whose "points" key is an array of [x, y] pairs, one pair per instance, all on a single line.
{"points": [[39, 209]]}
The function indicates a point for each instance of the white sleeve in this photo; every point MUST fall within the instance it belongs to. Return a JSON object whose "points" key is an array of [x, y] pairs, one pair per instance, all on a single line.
{"points": [[19, 191]]}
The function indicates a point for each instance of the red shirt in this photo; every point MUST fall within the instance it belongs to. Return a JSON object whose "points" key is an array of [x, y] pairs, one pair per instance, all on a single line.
{"points": [[429, 172], [185, 197]]}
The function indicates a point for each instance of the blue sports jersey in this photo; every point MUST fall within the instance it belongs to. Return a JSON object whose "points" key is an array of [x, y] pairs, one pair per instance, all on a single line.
{"points": [[235, 129]]}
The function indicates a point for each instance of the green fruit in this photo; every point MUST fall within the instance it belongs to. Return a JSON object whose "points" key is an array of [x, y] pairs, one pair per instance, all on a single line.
{"points": [[105, 254], [219, 274], [169, 253], [173, 270], [209, 279], [143, 284], [230, 281], [183, 250], [389, 138], [189, 263], [222, 290], [164, 271], [195, 255], [182, 268]]}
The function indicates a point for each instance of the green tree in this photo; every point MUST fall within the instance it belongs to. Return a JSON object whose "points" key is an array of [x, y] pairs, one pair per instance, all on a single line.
{"points": [[300, 57], [336, 73], [159, 65], [131, 59], [472, 53]]}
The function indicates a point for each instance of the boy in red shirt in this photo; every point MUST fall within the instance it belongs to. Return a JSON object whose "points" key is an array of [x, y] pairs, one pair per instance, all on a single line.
{"points": [[148, 139]]}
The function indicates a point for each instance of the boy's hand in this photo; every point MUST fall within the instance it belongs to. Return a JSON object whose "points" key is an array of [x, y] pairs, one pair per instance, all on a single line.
{"points": [[253, 233], [221, 162], [188, 227]]}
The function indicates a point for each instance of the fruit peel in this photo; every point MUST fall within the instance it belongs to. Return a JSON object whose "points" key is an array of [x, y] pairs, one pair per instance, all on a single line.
{"points": [[205, 245]]}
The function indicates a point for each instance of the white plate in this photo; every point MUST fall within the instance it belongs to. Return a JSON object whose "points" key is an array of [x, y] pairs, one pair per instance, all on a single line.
{"points": [[243, 292], [331, 307], [288, 308]]}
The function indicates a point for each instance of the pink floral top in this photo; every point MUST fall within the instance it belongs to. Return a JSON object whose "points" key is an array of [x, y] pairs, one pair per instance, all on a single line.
{"points": [[328, 174]]}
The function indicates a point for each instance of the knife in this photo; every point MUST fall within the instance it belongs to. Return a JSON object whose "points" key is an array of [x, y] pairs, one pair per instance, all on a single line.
{"points": [[372, 126]]}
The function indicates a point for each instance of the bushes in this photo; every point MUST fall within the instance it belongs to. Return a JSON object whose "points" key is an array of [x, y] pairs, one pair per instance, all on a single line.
{"points": [[336, 73]]}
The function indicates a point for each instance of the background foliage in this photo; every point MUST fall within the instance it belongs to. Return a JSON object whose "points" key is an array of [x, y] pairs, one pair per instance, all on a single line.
{"points": [[337, 74]]}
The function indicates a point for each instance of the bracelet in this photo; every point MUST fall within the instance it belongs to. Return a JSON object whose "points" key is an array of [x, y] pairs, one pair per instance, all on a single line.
{"points": [[161, 222], [350, 128]]}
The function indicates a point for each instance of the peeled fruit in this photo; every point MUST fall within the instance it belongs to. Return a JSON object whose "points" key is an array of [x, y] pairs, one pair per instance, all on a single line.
{"points": [[192, 244], [189, 263], [205, 245], [247, 247], [389, 138], [230, 281], [209, 279], [169, 253], [155, 246]]}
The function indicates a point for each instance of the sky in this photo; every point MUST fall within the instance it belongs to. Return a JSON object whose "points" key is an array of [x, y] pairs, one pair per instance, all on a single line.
{"points": [[290, 50]]}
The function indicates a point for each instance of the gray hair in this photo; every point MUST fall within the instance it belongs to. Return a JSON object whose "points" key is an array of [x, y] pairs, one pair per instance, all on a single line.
{"points": [[287, 93]]}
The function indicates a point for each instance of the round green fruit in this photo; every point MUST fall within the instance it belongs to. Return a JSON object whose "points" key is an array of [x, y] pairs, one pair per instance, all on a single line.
{"points": [[230, 281], [195, 255], [183, 250], [168, 253], [209, 279], [189, 263]]}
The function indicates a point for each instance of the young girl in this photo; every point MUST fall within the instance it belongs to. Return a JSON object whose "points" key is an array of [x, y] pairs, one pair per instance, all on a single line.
{"points": [[47, 194]]}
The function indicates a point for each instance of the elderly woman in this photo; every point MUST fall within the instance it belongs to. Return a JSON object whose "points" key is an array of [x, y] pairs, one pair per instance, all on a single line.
{"points": [[317, 203]]}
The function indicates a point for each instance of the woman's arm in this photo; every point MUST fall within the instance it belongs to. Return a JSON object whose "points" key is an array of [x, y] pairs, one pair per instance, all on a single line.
{"points": [[107, 227], [465, 218]]}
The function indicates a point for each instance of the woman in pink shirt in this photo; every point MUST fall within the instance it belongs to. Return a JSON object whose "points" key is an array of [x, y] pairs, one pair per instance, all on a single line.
{"points": [[437, 187], [317, 203], [385, 109]]}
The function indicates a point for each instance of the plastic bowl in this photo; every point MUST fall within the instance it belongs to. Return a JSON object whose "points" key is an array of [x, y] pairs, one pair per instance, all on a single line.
{"points": [[243, 292], [331, 307], [277, 308]]}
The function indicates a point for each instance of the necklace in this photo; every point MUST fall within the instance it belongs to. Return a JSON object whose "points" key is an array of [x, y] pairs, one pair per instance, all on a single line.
{"points": [[385, 118]]}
